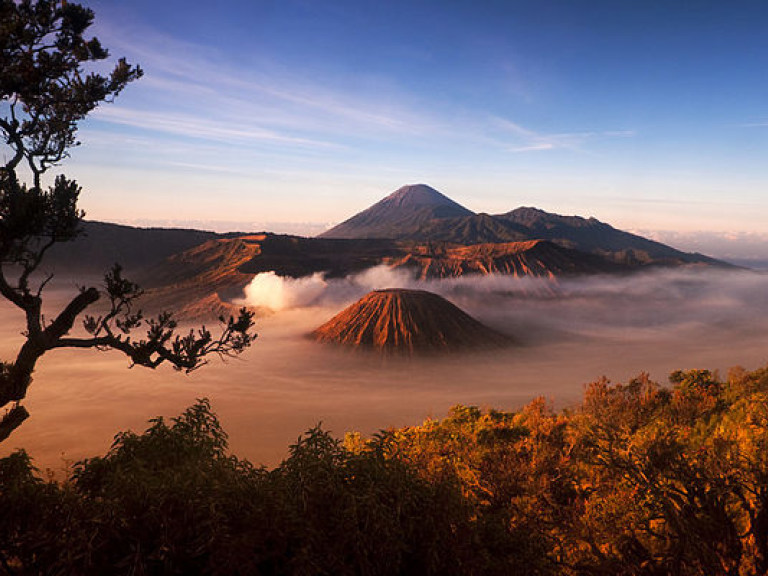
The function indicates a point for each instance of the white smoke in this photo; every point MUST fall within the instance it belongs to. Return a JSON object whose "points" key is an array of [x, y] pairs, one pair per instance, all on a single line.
{"points": [[277, 293], [624, 307], [268, 290]]}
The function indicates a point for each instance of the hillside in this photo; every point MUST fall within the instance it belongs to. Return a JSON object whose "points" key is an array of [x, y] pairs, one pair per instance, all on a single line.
{"points": [[591, 235], [225, 265], [102, 244], [198, 282], [296, 256], [473, 229], [201, 280], [407, 321], [538, 258]]}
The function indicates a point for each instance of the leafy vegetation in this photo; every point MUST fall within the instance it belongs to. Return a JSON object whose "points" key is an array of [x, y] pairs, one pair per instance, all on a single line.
{"points": [[638, 479]]}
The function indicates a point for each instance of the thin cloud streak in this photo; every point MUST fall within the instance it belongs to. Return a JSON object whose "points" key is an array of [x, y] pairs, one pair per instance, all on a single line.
{"points": [[534, 147], [192, 127], [272, 105], [536, 141], [177, 68]]}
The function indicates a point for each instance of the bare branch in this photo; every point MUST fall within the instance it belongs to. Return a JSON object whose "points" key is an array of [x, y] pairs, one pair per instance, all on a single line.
{"points": [[14, 139], [162, 345], [66, 319], [12, 420], [43, 284]]}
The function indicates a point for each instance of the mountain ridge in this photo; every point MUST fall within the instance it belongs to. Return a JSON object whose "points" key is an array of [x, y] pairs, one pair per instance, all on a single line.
{"points": [[592, 235], [421, 224], [536, 258], [434, 237]]}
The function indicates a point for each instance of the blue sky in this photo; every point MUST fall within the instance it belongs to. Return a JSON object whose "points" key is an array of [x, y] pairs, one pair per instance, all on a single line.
{"points": [[648, 115]]}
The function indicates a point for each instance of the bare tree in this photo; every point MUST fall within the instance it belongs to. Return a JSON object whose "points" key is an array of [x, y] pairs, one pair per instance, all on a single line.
{"points": [[45, 90]]}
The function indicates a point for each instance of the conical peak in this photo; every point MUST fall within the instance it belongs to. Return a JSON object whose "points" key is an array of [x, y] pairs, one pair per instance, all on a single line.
{"points": [[399, 215], [418, 195], [401, 320]]}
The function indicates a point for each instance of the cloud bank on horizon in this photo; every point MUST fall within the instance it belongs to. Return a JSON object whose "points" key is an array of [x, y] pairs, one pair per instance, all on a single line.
{"points": [[308, 112]]}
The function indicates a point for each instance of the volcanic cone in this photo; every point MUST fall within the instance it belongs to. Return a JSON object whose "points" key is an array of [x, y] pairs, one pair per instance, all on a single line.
{"points": [[410, 321]]}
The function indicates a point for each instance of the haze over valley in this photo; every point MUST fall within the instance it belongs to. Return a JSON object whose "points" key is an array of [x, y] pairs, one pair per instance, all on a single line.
{"points": [[577, 299]]}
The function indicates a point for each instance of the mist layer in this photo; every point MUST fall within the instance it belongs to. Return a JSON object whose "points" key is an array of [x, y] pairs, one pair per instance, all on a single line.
{"points": [[570, 333]]}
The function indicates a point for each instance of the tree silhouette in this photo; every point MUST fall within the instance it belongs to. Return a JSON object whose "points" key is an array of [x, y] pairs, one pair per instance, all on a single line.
{"points": [[45, 90]]}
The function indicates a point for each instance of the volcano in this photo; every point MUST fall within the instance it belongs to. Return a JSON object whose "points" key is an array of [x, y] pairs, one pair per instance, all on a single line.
{"points": [[419, 213], [400, 215], [408, 321]]}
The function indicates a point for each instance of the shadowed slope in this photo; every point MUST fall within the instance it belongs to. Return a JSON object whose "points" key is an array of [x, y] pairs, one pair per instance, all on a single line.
{"points": [[420, 213], [398, 320], [472, 229], [591, 235], [399, 215], [102, 244]]}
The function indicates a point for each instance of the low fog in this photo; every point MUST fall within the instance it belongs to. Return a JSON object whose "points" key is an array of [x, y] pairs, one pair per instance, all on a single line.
{"points": [[569, 333]]}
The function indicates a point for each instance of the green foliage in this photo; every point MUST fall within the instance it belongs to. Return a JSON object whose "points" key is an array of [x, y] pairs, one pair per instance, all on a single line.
{"points": [[638, 479], [30, 217], [43, 52], [171, 501]]}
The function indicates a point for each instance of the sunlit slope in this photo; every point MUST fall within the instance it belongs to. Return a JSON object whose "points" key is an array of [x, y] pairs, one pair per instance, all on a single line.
{"points": [[408, 321], [537, 258], [228, 261], [199, 282]]}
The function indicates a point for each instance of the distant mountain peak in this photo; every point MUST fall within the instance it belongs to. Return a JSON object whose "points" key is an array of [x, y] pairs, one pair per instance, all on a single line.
{"points": [[412, 195], [399, 215], [419, 213]]}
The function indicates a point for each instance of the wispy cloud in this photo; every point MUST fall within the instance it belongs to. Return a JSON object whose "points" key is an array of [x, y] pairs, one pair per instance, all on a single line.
{"points": [[195, 92], [191, 126], [534, 147], [267, 97], [531, 140]]}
